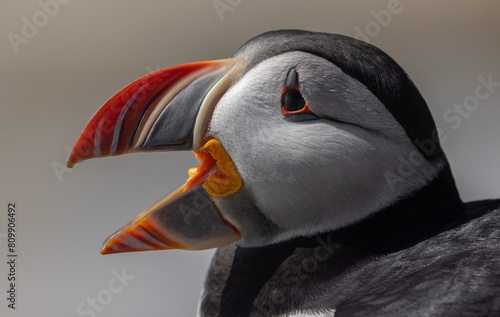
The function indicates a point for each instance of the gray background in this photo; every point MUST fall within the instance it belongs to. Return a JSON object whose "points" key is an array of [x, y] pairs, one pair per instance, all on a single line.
{"points": [[89, 50]]}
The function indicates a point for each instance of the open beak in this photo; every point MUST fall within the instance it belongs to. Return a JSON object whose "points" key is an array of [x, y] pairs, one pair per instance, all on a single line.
{"points": [[164, 111]]}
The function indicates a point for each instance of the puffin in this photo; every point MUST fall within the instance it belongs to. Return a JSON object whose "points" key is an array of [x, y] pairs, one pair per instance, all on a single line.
{"points": [[322, 183]]}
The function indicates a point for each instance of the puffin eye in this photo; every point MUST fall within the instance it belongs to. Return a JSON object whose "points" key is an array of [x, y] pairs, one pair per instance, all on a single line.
{"points": [[292, 101]]}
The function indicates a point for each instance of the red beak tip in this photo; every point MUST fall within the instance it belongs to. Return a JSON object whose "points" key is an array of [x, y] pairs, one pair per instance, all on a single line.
{"points": [[70, 164], [72, 161]]}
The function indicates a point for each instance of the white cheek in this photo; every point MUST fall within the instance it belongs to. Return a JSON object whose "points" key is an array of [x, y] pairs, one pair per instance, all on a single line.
{"points": [[310, 175]]}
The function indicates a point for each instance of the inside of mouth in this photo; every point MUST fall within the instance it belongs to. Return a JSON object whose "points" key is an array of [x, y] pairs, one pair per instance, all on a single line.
{"points": [[198, 175], [216, 171]]}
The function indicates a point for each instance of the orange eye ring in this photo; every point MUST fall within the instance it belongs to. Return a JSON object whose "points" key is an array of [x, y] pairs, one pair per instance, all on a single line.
{"points": [[304, 109]]}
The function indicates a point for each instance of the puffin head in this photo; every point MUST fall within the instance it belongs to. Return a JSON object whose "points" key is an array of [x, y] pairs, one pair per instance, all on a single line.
{"points": [[297, 134]]}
